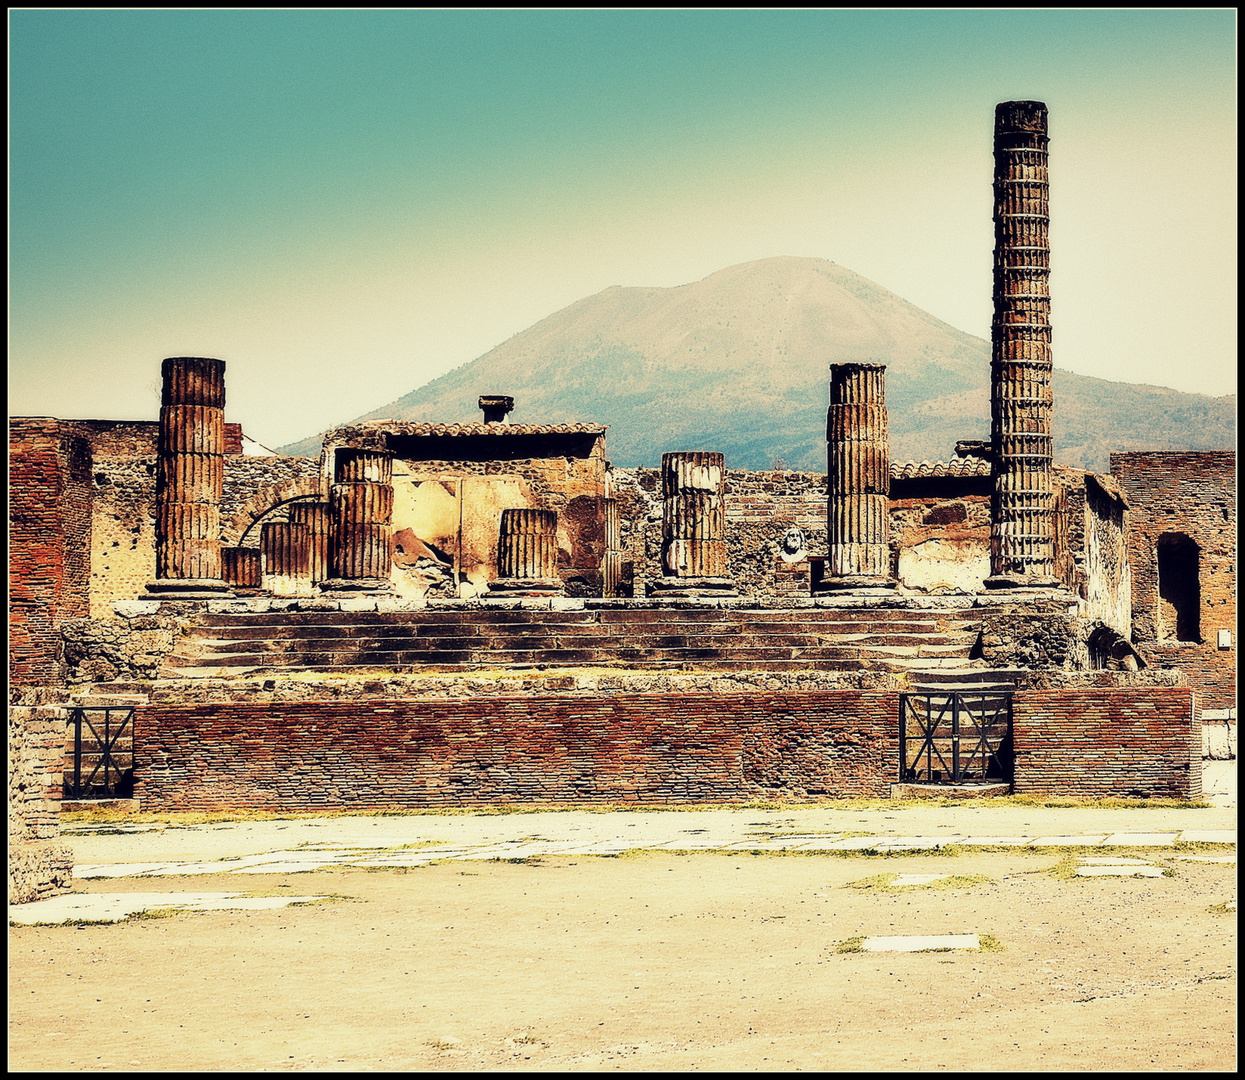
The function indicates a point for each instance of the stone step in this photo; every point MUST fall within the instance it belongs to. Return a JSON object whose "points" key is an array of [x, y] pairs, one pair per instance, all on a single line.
{"points": [[207, 648]]}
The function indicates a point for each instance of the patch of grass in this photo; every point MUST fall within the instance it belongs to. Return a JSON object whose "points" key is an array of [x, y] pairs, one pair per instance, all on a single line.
{"points": [[886, 883], [851, 945], [1228, 907], [1065, 868], [989, 943], [157, 913]]}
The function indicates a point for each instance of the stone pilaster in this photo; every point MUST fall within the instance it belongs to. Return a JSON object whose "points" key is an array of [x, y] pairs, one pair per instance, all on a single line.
{"points": [[190, 479], [527, 554], [693, 549], [1022, 509], [858, 481], [362, 522]]}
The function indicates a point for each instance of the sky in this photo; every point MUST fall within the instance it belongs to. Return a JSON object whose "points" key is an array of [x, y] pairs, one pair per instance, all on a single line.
{"points": [[343, 205]]}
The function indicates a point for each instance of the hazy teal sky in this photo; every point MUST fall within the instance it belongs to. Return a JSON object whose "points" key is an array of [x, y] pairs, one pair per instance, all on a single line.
{"points": [[344, 205]]}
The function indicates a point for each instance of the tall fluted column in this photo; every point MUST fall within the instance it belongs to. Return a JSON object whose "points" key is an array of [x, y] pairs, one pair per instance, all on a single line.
{"points": [[693, 549], [190, 478], [318, 517], [858, 480], [362, 528], [527, 554], [1022, 506]]}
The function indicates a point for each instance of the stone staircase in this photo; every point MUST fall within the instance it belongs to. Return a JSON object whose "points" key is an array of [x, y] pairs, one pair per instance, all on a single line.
{"points": [[468, 639]]}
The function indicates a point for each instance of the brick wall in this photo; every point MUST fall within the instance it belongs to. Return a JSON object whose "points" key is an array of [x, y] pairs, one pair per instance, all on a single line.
{"points": [[409, 753], [39, 864], [49, 542], [1139, 742], [654, 748], [1188, 494]]}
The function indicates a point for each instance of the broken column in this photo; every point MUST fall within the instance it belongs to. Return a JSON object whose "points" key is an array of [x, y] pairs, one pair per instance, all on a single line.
{"points": [[361, 499], [611, 562], [527, 554], [1022, 506], [693, 549], [858, 482], [318, 517], [242, 569], [190, 479], [286, 549]]}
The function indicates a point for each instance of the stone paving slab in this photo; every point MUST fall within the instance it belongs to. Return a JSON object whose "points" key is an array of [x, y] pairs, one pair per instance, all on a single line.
{"points": [[1208, 836], [113, 907], [1226, 859], [1140, 840], [1070, 841], [921, 942]]}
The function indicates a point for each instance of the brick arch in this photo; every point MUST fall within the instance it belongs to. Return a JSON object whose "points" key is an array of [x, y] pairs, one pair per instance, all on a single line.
{"points": [[266, 499]]}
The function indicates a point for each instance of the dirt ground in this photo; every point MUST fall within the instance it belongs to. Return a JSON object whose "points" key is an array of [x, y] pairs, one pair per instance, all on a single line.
{"points": [[655, 961]]}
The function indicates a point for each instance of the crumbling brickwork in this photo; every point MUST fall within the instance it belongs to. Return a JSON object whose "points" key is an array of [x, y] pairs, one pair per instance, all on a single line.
{"points": [[1135, 742], [1182, 507], [39, 864], [49, 542]]}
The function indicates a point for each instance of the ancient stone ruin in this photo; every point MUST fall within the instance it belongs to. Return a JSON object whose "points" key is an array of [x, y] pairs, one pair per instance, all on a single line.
{"points": [[508, 617]]}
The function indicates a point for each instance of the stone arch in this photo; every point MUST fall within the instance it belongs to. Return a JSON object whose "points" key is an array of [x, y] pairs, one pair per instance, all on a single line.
{"points": [[1109, 650], [1179, 588], [267, 498]]}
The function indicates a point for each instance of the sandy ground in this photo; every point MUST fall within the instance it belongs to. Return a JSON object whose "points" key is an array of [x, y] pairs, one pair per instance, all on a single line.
{"points": [[654, 961]]}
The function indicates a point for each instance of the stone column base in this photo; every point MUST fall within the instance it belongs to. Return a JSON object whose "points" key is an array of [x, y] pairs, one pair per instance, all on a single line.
{"points": [[521, 587], [691, 587], [856, 585], [1021, 581], [355, 586], [187, 589]]}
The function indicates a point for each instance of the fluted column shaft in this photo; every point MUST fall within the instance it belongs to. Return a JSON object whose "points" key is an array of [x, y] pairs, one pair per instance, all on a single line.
{"points": [[858, 479], [611, 563], [318, 517], [190, 477], [241, 567], [527, 554], [693, 548], [361, 502], [1022, 510], [286, 549]]}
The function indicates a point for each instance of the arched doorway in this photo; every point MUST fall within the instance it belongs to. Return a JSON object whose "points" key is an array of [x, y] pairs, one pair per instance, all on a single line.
{"points": [[1180, 590]]}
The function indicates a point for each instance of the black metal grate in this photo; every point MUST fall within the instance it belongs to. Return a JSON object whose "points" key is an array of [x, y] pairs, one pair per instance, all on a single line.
{"points": [[103, 754], [949, 738]]}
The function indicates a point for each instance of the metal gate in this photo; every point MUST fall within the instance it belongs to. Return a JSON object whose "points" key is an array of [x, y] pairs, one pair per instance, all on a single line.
{"points": [[100, 762], [948, 738]]}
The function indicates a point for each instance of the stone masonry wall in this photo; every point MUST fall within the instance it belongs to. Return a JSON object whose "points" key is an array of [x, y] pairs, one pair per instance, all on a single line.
{"points": [[49, 541], [39, 864], [1139, 742], [612, 747], [666, 748], [1193, 494]]}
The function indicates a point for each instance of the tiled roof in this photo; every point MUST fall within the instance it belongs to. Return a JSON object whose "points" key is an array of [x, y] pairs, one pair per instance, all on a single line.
{"points": [[919, 470], [475, 427]]}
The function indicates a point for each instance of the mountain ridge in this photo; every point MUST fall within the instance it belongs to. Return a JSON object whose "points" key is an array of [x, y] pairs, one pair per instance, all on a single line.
{"points": [[737, 362]]}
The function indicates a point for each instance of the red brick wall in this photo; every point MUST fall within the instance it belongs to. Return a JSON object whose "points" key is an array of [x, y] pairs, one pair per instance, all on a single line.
{"points": [[50, 504], [654, 748], [1132, 743], [412, 753], [1193, 494]]}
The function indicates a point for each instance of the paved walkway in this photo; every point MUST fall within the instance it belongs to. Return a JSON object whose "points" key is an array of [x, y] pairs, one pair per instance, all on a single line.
{"points": [[302, 845]]}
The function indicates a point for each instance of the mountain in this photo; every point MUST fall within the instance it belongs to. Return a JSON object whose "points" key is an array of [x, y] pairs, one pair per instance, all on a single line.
{"points": [[738, 363]]}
